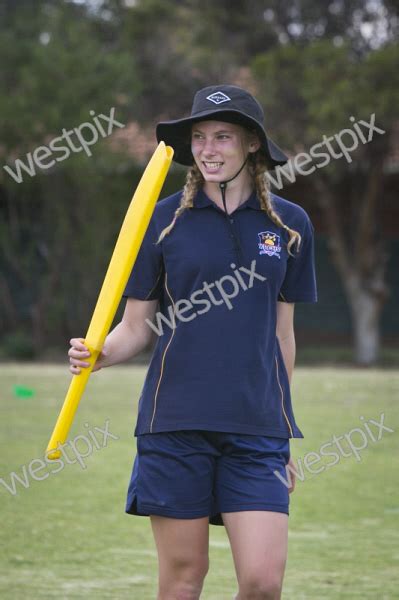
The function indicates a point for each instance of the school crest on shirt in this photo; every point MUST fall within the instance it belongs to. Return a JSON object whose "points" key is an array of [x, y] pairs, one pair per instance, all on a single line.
{"points": [[269, 243]]}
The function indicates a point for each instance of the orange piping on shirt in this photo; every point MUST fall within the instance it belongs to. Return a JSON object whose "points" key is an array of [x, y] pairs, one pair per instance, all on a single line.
{"points": [[282, 398], [163, 357], [280, 294]]}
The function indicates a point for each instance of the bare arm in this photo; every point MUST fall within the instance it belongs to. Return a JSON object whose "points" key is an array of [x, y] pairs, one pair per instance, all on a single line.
{"points": [[126, 340], [286, 336]]}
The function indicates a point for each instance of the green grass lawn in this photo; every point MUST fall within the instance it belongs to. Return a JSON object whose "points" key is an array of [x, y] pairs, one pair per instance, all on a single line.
{"points": [[68, 536]]}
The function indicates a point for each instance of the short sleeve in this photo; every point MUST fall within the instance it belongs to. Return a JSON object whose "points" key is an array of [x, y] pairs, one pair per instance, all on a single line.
{"points": [[146, 279], [299, 283]]}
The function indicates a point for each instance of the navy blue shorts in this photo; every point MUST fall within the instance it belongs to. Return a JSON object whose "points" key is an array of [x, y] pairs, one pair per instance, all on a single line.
{"points": [[192, 474]]}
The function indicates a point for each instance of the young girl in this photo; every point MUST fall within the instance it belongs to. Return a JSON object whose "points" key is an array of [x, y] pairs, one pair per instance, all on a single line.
{"points": [[217, 277]]}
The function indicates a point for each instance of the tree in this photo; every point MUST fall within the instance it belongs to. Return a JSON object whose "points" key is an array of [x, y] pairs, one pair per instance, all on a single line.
{"points": [[313, 63], [322, 87], [60, 64]]}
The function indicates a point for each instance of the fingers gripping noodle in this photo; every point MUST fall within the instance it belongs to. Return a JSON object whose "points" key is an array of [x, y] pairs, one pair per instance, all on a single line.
{"points": [[123, 258]]}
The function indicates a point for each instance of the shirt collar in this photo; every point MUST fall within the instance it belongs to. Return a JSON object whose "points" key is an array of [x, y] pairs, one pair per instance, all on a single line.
{"points": [[201, 200]]}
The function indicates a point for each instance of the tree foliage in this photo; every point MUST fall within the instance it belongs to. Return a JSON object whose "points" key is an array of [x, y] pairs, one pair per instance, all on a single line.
{"points": [[326, 89], [313, 64]]}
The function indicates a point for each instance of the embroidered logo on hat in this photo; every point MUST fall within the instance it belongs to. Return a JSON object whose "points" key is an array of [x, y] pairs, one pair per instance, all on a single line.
{"points": [[218, 98]]}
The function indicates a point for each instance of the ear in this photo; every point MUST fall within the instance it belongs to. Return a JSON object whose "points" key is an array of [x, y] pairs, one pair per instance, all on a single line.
{"points": [[254, 143], [254, 147]]}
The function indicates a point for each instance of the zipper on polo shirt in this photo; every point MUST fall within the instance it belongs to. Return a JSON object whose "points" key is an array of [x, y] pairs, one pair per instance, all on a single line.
{"points": [[282, 397]]}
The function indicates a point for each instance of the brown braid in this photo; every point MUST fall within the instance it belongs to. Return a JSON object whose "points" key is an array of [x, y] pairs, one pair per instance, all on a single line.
{"points": [[258, 168], [194, 181]]}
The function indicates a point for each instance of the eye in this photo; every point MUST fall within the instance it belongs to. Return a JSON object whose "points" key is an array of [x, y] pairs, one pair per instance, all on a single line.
{"points": [[223, 136], [197, 136]]}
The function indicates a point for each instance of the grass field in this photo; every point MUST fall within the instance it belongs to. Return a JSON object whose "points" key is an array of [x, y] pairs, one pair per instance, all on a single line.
{"points": [[68, 537]]}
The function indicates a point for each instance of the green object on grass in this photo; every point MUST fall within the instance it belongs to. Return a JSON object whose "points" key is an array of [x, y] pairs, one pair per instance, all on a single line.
{"points": [[21, 391]]}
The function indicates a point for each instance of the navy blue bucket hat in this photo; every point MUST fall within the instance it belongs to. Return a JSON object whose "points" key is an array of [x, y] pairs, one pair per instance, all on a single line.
{"points": [[227, 103]]}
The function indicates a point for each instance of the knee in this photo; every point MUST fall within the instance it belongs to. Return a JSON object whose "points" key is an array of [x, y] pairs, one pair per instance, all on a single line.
{"points": [[194, 569], [183, 580], [189, 589], [260, 588]]}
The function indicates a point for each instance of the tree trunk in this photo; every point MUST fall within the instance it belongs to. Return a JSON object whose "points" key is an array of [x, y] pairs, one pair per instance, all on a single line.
{"points": [[366, 309], [361, 265]]}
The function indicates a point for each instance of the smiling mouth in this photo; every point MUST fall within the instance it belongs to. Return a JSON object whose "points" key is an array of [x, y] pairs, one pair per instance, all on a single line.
{"points": [[212, 166]]}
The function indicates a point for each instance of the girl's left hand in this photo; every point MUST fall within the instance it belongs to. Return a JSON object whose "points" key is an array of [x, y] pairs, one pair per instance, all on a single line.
{"points": [[292, 473]]}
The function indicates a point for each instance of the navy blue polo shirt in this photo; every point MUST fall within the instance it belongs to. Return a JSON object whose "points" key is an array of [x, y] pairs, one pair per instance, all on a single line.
{"points": [[217, 363]]}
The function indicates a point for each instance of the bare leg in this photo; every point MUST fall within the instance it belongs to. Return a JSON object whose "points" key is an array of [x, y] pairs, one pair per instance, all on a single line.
{"points": [[259, 542], [182, 546]]}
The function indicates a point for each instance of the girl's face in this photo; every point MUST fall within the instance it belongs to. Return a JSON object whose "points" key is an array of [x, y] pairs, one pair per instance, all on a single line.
{"points": [[219, 148]]}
